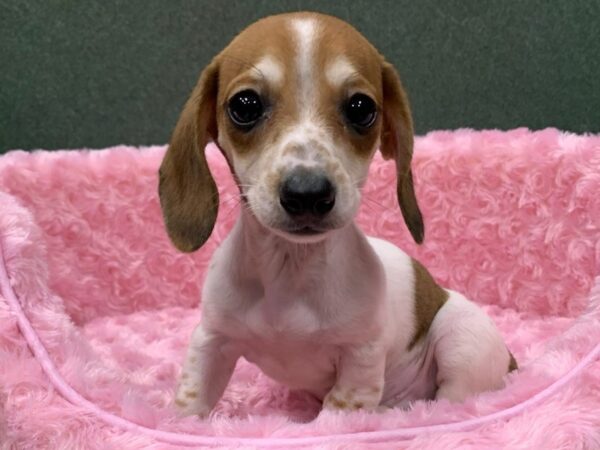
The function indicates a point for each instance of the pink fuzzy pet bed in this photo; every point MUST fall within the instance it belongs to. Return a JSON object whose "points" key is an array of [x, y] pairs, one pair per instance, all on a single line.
{"points": [[96, 306]]}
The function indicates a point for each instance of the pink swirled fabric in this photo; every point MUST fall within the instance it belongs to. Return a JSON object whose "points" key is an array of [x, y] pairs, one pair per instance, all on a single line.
{"points": [[96, 306]]}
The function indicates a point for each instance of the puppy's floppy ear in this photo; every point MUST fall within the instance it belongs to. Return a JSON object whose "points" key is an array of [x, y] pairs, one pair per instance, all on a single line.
{"points": [[397, 144], [188, 194]]}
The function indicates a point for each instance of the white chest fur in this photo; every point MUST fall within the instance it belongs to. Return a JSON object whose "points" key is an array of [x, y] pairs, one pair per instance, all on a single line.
{"points": [[290, 311]]}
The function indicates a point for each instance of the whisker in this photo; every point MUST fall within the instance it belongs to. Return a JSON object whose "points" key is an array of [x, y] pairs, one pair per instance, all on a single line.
{"points": [[360, 181], [226, 215], [369, 205], [252, 163], [233, 200], [374, 202]]}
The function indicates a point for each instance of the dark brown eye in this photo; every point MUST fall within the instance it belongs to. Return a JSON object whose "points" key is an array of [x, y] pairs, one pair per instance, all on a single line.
{"points": [[245, 109], [361, 111]]}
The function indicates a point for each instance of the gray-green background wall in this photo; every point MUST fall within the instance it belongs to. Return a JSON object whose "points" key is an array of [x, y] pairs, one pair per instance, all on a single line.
{"points": [[94, 74]]}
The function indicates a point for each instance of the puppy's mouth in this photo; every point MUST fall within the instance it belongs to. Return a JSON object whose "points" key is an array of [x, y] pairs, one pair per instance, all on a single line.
{"points": [[307, 231], [303, 234], [307, 225], [303, 229]]}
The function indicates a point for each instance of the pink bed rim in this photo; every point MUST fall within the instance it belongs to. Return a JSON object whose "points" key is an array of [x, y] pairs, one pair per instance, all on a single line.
{"points": [[96, 306]]}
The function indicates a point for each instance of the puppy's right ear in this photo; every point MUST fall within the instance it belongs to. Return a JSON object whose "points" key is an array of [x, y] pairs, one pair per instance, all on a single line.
{"points": [[188, 194]]}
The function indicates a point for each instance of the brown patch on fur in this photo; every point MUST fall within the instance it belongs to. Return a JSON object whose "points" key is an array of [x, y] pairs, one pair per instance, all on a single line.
{"points": [[512, 365], [339, 39], [429, 298], [334, 170], [181, 403], [358, 405], [266, 37], [340, 404], [331, 166], [272, 179], [191, 394]]}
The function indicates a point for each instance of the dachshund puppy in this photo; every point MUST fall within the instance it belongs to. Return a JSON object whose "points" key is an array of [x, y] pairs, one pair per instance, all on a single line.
{"points": [[298, 104]]}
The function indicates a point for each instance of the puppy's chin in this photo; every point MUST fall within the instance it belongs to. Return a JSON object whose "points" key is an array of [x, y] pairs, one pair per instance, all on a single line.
{"points": [[302, 236]]}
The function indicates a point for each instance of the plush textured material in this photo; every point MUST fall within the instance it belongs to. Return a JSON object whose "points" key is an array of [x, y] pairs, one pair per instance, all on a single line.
{"points": [[512, 221]]}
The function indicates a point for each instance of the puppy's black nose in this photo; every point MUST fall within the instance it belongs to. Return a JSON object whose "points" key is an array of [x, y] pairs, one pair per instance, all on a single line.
{"points": [[306, 191]]}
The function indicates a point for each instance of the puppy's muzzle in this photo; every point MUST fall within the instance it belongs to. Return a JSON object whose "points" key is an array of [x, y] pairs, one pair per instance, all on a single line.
{"points": [[307, 196]]}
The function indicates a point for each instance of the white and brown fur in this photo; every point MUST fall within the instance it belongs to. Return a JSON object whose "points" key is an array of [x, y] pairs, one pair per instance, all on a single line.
{"points": [[349, 318]]}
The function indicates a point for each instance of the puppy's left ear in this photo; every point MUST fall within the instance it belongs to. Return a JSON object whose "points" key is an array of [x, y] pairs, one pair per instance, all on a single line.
{"points": [[397, 144]]}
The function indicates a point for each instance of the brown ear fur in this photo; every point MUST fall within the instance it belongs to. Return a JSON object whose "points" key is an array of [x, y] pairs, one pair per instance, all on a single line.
{"points": [[188, 194], [397, 143]]}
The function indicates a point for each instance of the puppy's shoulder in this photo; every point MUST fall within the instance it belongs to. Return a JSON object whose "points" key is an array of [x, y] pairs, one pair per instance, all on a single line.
{"points": [[429, 299], [407, 277], [391, 257]]}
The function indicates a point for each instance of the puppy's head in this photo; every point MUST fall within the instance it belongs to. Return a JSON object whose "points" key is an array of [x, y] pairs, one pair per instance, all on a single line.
{"points": [[298, 103]]}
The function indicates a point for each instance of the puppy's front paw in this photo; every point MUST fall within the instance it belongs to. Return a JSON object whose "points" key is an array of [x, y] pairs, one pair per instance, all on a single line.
{"points": [[188, 403], [340, 399]]}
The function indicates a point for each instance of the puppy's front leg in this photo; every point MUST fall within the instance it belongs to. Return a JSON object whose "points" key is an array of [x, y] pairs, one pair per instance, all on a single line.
{"points": [[360, 378], [208, 366]]}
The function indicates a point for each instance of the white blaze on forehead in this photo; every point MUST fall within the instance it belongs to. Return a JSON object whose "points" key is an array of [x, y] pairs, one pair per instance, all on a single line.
{"points": [[309, 127], [305, 30], [270, 69], [338, 71]]}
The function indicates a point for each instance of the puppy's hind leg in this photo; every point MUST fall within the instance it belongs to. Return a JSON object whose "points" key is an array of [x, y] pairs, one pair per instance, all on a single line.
{"points": [[208, 366], [470, 353]]}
